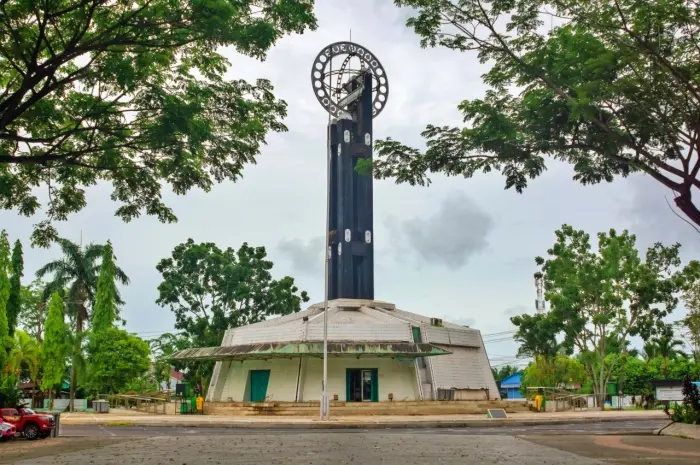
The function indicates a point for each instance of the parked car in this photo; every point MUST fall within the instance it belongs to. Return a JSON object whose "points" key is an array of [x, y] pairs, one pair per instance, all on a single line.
{"points": [[7, 430], [32, 425]]}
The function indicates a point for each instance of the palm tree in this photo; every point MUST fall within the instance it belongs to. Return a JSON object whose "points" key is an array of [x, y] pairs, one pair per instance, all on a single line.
{"points": [[666, 346], [24, 355], [650, 351], [76, 273]]}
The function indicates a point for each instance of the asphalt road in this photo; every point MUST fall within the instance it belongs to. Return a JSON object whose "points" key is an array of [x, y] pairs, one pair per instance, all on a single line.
{"points": [[616, 427]]}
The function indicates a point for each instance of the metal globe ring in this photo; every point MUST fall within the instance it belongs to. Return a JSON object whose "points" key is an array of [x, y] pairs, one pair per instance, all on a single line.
{"points": [[322, 75]]}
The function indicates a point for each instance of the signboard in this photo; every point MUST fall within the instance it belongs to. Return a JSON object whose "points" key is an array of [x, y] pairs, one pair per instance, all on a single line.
{"points": [[670, 393]]}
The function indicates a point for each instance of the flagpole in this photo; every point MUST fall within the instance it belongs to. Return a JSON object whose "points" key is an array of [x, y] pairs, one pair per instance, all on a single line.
{"points": [[325, 414]]}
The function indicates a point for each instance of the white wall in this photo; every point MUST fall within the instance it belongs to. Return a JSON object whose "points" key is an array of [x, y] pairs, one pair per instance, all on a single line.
{"points": [[393, 377], [281, 386]]}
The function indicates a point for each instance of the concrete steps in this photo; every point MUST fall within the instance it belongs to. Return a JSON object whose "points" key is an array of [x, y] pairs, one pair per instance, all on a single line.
{"points": [[309, 409]]}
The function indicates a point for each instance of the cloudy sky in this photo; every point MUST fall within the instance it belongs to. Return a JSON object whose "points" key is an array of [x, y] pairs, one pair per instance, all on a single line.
{"points": [[460, 249]]}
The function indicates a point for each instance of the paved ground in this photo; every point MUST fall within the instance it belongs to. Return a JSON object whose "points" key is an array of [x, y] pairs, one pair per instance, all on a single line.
{"points": [[317, 449], [593, 445], [614, 427], [626, 450], [135, 418]]}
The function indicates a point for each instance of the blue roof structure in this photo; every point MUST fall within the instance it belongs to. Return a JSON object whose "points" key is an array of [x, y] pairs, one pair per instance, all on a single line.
{"points": [[513, 381]]}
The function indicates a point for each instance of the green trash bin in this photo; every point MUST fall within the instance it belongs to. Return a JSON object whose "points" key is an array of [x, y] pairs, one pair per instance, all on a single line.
{"points": [[184, 408], [193, 404]]}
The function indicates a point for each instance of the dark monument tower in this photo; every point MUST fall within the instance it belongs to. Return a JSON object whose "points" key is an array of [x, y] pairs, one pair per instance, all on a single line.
{"points": [[352, 97]]}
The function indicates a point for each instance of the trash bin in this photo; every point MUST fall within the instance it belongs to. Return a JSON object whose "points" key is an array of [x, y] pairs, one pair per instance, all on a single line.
{"points": [[100, 406], [56, 425], [184, 408]]}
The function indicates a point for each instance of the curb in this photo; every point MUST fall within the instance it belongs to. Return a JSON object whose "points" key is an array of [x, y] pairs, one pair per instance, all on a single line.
{"points": [[317, 424]]}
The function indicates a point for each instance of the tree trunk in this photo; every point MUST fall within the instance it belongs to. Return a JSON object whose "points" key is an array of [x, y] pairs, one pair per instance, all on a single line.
{"points": [[601, 379]]}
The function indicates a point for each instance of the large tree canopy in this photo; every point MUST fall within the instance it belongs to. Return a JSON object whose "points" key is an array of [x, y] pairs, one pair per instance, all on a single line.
{"points": [[608, 293], [610, 87], [211, 290], [131, 92]]}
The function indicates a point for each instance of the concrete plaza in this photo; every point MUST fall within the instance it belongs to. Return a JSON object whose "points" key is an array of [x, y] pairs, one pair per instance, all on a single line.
{"points": [[367, 448]]}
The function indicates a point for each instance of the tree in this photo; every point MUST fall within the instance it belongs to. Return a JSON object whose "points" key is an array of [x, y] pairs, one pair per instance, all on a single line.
{"points": [[25, 354], [104, 311], [691, 299], [499, 374], [665, 345], [613, 90], [211, 290], [558, 372], [611, 292], [56, 347], [120, 359], [161, 347], [537, 335], [33, 309], [650, 351], [134, 93], [77, 271], [14, 301], [4, 295]]}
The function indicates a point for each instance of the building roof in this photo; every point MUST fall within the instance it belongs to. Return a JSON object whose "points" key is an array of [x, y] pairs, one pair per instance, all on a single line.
{"points": [[352, 320], [313, 349], [513, 381]]}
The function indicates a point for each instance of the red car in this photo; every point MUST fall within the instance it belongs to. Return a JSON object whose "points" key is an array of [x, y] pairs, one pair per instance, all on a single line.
{"points": [[31, 424], [7, 430]]}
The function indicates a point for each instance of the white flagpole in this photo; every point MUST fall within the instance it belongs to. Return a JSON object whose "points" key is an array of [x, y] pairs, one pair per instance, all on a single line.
{"points": [[325, 414]]}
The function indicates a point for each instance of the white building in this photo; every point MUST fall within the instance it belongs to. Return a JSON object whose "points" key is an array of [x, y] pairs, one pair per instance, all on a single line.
{"points": [[376, 353]]}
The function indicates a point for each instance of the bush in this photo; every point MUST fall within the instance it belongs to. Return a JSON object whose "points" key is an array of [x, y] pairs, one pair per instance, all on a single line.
{"points": [[10, 397], [689, 412]]}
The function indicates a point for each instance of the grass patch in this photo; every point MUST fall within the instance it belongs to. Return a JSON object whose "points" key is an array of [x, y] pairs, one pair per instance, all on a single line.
{"points": [[119, 423]]}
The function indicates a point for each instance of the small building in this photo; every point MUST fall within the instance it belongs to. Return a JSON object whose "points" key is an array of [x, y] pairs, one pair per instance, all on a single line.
{"points": [[376, 352], [669, 390], [510, 387]]}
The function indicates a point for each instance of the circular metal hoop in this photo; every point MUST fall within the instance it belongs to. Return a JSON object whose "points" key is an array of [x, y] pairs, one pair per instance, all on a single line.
{"points": [[323, 77]]}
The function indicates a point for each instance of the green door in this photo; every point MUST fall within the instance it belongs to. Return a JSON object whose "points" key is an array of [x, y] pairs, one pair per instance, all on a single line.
{"points": [[375, 385], [416, 335], [258, 385]]}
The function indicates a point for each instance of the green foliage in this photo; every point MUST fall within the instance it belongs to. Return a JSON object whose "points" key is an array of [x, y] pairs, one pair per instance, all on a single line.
{"points": [[4, 296], [134, 93], [558, 372], [689, 411], [77, 271], [104, 311], [33, 309], [115, 359], [56, 347], [14, 301], [25, 354], [211, 290], [611, 293], [691, 299], [537, 335], [613, 90], [499, 374]]}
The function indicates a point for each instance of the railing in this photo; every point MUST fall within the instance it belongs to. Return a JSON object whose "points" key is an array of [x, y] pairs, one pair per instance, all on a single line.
{"points": [[142, 403]]}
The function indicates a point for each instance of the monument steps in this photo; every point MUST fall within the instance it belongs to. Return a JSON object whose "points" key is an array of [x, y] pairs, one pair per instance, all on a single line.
{"points": [[363, 408]]}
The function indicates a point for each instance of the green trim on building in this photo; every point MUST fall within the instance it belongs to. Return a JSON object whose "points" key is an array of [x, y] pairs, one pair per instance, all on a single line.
{"points": [[312, 349]]}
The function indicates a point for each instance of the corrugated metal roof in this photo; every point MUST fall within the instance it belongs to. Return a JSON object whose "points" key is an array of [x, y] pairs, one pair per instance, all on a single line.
{"points": [[295, 349]]}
